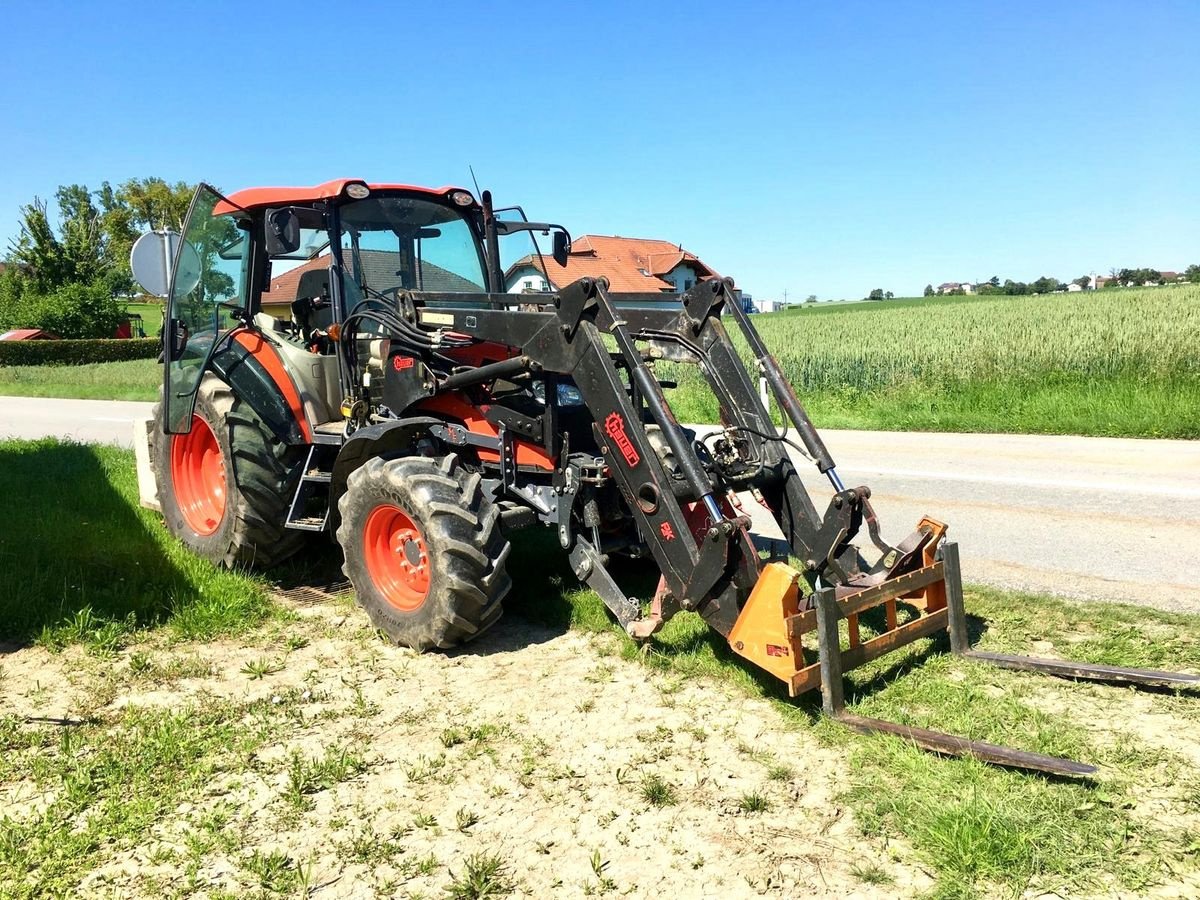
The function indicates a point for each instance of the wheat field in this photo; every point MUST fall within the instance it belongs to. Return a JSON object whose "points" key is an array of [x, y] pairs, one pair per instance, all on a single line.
{"points": [[1119, 362]]}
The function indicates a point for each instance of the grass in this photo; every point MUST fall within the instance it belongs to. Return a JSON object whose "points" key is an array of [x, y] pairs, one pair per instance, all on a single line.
{"points": [[1118, 363], [657, 792], [306, 777], [482, 875], [135, 379], [107, 784], [81, 562], [151, 313]]}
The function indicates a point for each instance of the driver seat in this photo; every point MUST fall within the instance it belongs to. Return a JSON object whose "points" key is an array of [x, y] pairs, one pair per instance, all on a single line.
{"points": [[312, 310]]}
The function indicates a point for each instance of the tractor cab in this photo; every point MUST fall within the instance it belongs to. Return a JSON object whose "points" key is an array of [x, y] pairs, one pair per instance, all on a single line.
{"points": [[267, 278]]}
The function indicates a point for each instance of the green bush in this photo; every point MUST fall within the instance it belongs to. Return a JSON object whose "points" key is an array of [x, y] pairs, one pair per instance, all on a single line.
{"points": [[72, 311], [69, 353]]}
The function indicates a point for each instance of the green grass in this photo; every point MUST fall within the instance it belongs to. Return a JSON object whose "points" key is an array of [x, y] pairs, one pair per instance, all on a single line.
{"points": [[80, 561], [135, 379], [151, 313], [1118, 362], [107, 784]]}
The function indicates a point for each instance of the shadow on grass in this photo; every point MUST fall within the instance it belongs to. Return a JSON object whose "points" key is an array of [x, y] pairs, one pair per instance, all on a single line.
{"points": [[79, 560]]}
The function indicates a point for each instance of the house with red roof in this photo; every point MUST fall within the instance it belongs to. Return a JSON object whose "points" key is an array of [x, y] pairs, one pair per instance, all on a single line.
{"points": [[631, 265]]}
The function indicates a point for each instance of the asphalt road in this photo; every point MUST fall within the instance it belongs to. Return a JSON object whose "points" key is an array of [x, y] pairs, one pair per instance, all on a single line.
{"points": [[87, 421], [1091, 518]]}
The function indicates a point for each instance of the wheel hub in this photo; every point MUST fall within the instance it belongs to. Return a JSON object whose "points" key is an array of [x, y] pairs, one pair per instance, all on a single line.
{"points": [[396, 557], [198, 477]]}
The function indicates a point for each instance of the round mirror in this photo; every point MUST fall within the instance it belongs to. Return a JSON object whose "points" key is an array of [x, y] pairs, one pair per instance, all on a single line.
{"points": [[150, 259]]}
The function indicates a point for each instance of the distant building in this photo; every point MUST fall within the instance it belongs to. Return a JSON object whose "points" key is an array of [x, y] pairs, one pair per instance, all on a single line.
{"points": [[631, 265], [951, 287], [766, 306]]}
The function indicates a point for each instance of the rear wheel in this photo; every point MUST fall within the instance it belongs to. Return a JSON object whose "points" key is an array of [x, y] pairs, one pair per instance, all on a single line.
{"points": [[224, 487], [424, 550]]}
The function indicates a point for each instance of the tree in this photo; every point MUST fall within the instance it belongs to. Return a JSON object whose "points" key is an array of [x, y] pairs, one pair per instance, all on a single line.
{"points": [[74, 310], [1084, 281], [154, 203], [929, 292], [876, 294], [137, 206], [65, 273], [1046, 285], [889, 295], [1192, 274], [1132, 277], [811, 298], [80, 253]]}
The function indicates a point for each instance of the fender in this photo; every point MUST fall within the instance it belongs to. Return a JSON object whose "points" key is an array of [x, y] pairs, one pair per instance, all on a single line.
{"points": [[380, 439], [248, 363]]}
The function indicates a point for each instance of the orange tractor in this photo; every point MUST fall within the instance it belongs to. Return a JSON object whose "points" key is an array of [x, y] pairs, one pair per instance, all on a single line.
{"points": [[344, 360]]}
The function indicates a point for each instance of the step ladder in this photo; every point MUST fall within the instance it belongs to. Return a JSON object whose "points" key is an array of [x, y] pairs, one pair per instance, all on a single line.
{"points": [[310, 505]]}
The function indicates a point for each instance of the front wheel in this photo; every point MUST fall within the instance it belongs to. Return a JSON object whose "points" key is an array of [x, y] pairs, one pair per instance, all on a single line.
{"points": [[424, 550]]}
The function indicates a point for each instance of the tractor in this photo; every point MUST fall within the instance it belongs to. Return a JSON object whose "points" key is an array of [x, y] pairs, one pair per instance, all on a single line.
{"points": [[344, 360]]}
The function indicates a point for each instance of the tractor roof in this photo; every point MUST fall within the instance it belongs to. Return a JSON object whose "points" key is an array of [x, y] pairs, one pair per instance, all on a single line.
{"points": [[253, 198]]}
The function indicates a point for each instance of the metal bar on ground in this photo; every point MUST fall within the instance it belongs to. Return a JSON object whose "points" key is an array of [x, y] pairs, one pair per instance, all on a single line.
{"points": [[952, 745], [1066, 668]]}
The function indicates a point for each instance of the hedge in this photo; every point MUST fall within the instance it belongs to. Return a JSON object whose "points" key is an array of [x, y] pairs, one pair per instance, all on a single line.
{"points": [[71, 353]]}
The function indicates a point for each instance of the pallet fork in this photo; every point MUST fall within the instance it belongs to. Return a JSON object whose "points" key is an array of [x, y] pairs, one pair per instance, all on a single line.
{"points": [[772, 625]]}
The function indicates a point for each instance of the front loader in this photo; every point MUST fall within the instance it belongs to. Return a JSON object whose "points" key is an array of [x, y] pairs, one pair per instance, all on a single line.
{"points": [[345, 360]]}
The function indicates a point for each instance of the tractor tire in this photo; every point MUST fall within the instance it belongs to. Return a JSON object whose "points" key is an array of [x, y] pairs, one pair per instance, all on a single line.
{"points": [[424, 550], [224, 487]]}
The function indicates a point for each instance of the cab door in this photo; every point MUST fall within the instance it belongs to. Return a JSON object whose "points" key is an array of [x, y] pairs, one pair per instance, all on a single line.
{"points": [[209, 281]]}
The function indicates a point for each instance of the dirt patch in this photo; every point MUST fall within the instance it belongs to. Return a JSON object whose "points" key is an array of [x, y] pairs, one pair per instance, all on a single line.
{"points": [[581, 772]]}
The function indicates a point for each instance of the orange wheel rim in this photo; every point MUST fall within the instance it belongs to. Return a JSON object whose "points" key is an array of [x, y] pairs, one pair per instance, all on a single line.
{"points": [[198, 477], [396, 557]]}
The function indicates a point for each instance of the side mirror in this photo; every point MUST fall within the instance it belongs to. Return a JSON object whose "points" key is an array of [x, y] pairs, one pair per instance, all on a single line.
{"points": [[282, 232], [562, 246]]}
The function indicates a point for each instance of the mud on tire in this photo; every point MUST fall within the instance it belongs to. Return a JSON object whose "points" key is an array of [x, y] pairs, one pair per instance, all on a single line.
{"points": [[454, 540], [260, 472]]}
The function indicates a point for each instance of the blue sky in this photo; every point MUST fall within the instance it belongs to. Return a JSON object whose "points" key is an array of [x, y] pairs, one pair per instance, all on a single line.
{"points": [[817, 148]]}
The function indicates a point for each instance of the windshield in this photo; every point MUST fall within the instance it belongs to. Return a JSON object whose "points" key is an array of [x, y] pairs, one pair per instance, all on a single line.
{"points": [[407, 242]]}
